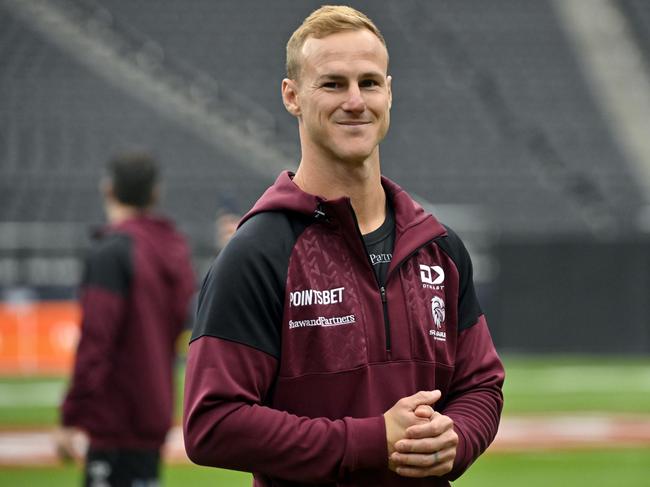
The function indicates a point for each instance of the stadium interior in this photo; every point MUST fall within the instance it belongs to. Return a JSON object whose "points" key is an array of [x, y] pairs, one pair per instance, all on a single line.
{"points": [[523, 125]]}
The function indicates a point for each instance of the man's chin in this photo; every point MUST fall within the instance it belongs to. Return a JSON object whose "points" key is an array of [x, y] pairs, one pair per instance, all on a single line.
{"points": [[354, 155], [354, 158]]}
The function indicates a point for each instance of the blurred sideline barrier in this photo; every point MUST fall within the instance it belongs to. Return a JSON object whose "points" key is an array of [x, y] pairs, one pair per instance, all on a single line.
{"points": [[571, 296], [38, 338]]}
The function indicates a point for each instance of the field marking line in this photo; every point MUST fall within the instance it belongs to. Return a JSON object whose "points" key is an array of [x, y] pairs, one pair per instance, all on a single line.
{"points": [[516, 434]]}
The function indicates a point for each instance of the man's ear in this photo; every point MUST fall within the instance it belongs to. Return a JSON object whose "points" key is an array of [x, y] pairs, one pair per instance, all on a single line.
{"points": [[290, 97], [389, 84], [106, 188], [156, 193]]}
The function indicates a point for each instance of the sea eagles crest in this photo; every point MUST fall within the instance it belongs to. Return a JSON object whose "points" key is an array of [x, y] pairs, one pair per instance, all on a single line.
{"points": [[438, 311]]}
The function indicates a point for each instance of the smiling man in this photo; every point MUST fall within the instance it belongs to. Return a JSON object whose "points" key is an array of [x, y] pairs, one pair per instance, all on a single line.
{"points": [[339, 340]]}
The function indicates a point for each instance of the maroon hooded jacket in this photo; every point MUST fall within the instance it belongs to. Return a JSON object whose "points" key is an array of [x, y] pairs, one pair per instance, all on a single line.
{"points": [[297, 352], [134, 295]]}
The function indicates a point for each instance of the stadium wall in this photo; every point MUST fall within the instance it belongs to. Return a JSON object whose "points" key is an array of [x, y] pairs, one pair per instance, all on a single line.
{"points": [[571, 297]]}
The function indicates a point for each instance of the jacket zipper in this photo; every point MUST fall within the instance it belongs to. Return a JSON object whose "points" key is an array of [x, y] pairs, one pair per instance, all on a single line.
{"points": [[382, 289], [384, 304]]}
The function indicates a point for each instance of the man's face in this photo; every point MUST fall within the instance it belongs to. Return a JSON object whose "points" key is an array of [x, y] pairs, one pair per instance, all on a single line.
{"points": [[343, 96]]}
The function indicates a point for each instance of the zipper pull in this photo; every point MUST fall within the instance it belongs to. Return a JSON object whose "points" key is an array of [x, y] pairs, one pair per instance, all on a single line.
{"points": [[382, 290], [319, 214]]}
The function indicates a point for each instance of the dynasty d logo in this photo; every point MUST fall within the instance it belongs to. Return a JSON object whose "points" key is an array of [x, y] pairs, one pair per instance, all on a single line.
{"points": [[432, 277], [438, 311]]}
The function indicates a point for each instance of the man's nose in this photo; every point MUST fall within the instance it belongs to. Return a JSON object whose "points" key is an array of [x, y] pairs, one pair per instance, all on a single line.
{"points": [[355, 101]]}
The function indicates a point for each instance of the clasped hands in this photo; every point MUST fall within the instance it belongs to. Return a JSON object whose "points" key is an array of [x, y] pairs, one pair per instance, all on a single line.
{"points": [[421, 441]]}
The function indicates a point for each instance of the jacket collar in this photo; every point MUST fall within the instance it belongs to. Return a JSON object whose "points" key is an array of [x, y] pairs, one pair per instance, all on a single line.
{"points": [[414, 226]]}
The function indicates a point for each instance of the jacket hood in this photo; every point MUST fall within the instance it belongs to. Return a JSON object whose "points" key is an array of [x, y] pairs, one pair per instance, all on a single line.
{"points": [[285, 195], [165, 242]]}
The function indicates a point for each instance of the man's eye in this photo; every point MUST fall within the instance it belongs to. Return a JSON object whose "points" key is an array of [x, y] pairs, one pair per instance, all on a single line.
{"points": [[331, 85], [368, 83]]}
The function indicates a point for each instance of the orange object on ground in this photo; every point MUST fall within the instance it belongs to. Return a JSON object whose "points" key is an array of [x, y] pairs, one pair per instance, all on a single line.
{"points": [[38, 337]]}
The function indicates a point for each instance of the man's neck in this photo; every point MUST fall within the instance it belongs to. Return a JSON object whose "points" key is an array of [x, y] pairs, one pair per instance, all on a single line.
{"points": [[361, 183], [117, 213]]}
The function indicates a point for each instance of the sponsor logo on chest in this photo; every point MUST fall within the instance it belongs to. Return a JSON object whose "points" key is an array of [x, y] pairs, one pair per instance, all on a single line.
{"points": [[376, 259], [432, 277], [308, 297]]}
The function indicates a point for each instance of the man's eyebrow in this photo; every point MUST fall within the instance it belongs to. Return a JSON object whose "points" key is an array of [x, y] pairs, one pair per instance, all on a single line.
{"points": [[338, 76], [373, 74], [331, 76]]}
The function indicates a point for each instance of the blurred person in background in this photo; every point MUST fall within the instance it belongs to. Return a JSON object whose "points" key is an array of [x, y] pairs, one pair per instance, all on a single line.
{"points": [[225, 225], [134, 295], [340, 313], [226, 221]]}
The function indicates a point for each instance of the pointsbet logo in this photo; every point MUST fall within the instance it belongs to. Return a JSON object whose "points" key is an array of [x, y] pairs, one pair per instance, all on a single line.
{"points": [[308, 297]]}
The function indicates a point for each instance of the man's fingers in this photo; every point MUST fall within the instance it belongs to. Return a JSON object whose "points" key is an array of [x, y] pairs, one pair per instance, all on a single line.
{"points": [[435, 427], [421, 397], [423, 465], [69, 444], [419, 460], [65, 454], [423, 445], [65, 451], [419, 472], [428, 444], [414, 472], [424, 411]]}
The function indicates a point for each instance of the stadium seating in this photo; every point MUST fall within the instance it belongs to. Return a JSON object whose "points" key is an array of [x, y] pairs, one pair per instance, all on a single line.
{"points": [[490, 109], [637, 14]]}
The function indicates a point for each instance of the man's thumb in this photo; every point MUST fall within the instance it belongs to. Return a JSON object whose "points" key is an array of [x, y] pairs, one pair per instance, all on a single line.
{"points": [[423, 397]]}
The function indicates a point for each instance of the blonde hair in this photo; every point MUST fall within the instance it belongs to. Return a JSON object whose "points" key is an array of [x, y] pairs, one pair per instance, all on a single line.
{"points": [[327, 20]]}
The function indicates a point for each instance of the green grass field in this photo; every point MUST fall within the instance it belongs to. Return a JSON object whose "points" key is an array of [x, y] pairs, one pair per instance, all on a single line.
{"points": [[534, 386], [568, 384], [598, 468], [602, 468]]}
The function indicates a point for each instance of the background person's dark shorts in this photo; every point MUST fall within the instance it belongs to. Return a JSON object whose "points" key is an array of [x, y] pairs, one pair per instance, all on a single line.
{"points": [[122, 468]]}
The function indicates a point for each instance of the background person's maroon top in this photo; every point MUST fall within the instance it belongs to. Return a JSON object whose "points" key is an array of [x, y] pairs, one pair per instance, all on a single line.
{"points": [[134, 295], [297, 351]]}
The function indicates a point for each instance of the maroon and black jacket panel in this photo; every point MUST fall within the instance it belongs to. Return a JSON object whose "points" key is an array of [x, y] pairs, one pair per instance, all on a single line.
{"points": [[297, 352], [134, 295]]}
